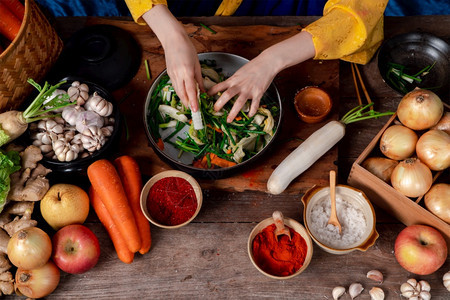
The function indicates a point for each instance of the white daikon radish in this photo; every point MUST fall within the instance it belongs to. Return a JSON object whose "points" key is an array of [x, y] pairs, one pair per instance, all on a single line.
{"points": [[314, 147]]}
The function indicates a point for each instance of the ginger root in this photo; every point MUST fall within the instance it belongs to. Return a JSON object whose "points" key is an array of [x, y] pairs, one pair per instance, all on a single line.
{"points": [[29, 183]]}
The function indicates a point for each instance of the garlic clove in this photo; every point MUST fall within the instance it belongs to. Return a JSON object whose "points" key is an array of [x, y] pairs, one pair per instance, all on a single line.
{"points": [[376, 293], [375, 275], [355, 290], [424, 286], [338, 292], [412, 282], [425, 295], [446, 280]]}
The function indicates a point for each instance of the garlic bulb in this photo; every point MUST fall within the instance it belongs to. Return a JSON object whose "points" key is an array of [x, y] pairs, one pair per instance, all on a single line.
{"points": [[78, 92], [107, 130], [446, 280], [355, 290], [64, 151], [87, 119], [99, 105], [70, 114], [93, 139], [376, 293], [50, 126], [338, 292], [412, 289]]}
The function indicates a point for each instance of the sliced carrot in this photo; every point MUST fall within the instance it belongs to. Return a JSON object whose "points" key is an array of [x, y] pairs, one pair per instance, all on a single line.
{"points": [[129, 173], [238, 118], [106, 182], [119, 242], [220, 162], [9, 24], [229, 151], [15, 7], [160, 144]]}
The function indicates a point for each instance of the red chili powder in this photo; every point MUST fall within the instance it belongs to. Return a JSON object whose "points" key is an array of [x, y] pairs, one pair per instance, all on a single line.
{"points": [[279, 258], [172, 201]]}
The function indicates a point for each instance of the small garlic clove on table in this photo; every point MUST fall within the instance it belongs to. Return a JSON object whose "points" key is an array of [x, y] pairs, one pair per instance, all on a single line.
{"points": [[338, 292], [375, 275], [355, 290], [446, 280], [376, 293]]}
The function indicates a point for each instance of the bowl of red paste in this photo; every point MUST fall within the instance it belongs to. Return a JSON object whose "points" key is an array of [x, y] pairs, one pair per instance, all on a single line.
{"points": [[171, 199], [280, 258]]}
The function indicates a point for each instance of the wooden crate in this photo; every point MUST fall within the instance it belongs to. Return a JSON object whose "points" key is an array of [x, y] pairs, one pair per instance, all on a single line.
{"points": [[407, 210]]}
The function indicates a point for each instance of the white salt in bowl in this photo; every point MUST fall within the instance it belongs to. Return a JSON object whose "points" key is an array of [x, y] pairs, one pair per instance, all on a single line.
{"points": [[355, 213]]}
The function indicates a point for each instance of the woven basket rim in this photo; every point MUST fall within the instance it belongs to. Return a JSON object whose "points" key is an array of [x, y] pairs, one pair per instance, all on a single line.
{"points": [[22, 30]]}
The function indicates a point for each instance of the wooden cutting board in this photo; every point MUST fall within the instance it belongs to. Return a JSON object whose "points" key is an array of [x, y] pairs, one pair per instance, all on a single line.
{"points": [[246, 41]]}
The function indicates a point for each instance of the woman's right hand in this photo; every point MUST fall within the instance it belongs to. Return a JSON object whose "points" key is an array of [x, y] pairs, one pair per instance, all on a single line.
{"points": [[183, 66]]}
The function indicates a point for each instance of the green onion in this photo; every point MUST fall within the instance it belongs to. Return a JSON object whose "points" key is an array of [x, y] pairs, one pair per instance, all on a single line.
{"points": [[207, 28], [147, 70]]}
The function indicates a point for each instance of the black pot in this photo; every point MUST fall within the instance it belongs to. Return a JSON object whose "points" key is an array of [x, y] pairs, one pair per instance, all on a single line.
{"points": [[229, 63]]}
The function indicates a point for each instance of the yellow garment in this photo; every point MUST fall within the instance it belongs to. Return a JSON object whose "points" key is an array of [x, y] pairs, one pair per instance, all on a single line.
{"points": [[351, 30]]}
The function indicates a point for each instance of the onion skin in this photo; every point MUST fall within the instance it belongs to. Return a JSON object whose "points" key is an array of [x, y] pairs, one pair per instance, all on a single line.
{"points": [[39, 282], [398, 142], [420, 109], [444, 123], [437, 200], [380, 167], [29, 248], [433, 149], [412, 178]]}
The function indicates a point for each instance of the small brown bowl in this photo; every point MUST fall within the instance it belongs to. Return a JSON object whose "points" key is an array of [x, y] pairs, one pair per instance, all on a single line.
{"points": [[164, 174], [313, 104]]}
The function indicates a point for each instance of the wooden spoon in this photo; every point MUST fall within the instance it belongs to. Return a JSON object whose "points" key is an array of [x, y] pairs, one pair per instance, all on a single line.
{"points": [[333, 216], [279, 223]]}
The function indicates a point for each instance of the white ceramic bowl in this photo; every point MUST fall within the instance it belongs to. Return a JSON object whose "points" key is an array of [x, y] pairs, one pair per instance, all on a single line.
{"points": [[355, 198], [292, 224], [164, 174]]}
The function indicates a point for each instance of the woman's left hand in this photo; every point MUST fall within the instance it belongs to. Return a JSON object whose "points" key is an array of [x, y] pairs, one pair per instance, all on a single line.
{"points": [[248, 83]]}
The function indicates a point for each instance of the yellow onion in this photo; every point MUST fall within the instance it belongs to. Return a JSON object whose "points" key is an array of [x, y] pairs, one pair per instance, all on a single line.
{"points": [[381, 167], [437, 200], [433, 149], [412, 178], [38, 283], [29, 248], [420, 109], [398, 142], [444, 123]]}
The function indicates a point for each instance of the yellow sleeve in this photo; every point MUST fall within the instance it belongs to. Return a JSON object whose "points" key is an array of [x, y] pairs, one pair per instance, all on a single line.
{"points": [[351, 30], [140, 7]]}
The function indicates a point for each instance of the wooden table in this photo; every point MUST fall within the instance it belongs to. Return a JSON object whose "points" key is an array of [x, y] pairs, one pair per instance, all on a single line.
{"points": [[208, 258]]}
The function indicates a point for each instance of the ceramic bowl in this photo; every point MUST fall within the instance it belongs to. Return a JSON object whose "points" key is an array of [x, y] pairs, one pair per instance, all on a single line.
{"points": [[171, 173], [313, 104], [292, 224], [228, 63], [356, 199], [416, 50]]}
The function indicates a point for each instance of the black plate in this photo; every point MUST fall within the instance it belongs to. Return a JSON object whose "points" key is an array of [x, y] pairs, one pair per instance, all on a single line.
{"points": [[415, 51]]}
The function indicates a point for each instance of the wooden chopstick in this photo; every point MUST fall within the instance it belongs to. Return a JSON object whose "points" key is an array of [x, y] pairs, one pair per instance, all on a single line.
{"points": [[356, 84], [362, 84]]}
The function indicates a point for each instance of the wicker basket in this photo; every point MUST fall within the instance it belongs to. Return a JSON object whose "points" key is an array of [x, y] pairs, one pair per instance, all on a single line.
{"points": [[31, 55]]}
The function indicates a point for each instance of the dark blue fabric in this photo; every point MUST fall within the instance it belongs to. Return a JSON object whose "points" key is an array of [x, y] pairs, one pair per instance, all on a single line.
{"points": [[186, 8]]}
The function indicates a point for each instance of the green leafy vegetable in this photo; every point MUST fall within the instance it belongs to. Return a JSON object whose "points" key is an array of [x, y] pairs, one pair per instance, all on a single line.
{"points": [[9, 163]]}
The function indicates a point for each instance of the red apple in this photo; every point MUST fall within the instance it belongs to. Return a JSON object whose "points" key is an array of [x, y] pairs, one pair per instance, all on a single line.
{"points": [[420, 249], [75, 249]]}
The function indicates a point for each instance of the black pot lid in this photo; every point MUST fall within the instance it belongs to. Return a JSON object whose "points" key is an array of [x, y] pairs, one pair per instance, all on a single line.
{"points": [[104, 54]]}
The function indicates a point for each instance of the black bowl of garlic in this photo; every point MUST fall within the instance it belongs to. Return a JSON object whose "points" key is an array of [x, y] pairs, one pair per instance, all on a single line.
{"points": [[80, 133]]}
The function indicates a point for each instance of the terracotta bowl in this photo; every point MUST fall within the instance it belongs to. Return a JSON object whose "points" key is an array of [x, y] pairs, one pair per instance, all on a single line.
{"points": [[164, 174], [313, 104], [292, 224], [356, 198]]}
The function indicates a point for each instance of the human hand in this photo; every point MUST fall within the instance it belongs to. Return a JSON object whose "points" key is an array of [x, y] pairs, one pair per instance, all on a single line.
{"points": [[248, 83]]}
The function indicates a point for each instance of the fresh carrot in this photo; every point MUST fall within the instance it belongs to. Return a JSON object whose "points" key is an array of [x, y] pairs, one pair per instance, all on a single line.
{"points": [[106, 182], [129, 172], [9, 24], [14, 6], [119, 242]]}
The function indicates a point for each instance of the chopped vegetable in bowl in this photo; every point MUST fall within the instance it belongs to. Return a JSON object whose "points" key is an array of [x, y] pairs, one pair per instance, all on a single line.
{"points": [[207, 142]]}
